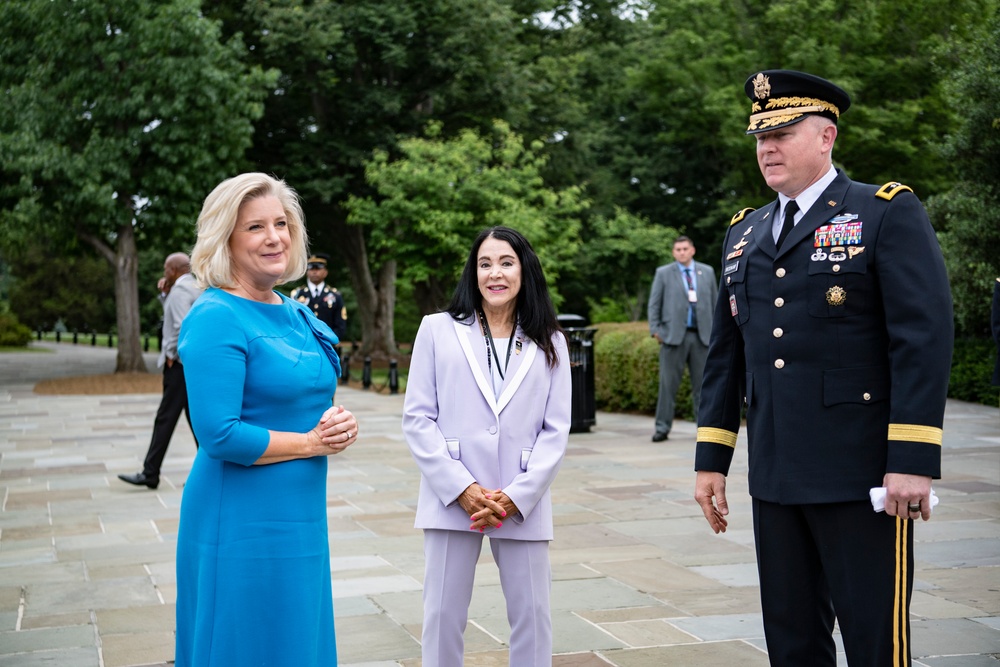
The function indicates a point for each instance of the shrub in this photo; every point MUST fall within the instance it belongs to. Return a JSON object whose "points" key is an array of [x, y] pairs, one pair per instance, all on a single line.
{"points": [[12, 332], [627, 371], [971, 369], [627, 363]]}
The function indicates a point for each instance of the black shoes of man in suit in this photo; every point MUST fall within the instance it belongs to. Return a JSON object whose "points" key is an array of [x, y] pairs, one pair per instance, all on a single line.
{"points": [[659, 437], [140, 479]]}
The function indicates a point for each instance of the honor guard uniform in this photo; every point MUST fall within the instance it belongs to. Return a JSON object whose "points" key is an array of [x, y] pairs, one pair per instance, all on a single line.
{"points": [[833, 331], [325, 301]]}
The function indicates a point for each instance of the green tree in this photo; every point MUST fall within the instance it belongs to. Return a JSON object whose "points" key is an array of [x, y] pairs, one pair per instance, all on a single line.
{"points": [[622, 258], [969, 213], [891, 57], [356, 76], [429, 205], [119, 117], [52, 286]]}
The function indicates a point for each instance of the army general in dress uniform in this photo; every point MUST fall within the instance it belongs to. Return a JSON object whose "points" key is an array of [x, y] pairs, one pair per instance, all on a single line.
{"points": [[833, 327], [326, 302]]}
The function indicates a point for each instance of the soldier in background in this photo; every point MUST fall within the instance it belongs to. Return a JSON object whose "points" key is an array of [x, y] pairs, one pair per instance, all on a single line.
{"points": [[325, 301]]}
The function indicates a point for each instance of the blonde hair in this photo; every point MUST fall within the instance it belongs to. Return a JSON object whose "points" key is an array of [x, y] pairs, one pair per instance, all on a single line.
{"points": [[211, 259]]}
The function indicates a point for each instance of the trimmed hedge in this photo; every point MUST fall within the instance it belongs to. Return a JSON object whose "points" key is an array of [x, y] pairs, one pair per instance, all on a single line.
{"points": [[627, 376], [627, 371], [971, 370], [12, 332]]}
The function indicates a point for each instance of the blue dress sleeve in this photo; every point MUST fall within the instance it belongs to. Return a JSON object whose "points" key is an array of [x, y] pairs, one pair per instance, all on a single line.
{"points": [[213, 350]]}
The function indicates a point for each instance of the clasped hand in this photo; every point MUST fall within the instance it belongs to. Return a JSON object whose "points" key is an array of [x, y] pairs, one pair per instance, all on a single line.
{"points": [[336, 431], [486, 508]]}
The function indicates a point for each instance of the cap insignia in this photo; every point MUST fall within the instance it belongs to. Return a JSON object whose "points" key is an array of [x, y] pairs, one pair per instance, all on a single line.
{"points": [[761, 86]]}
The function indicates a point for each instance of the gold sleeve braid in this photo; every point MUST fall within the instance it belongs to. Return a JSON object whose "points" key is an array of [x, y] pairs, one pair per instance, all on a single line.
{"points": [[913, 433], [717, 435]]}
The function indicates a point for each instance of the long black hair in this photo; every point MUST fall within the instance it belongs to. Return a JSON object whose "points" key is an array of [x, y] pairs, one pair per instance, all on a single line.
{"points": [[535, 313]]}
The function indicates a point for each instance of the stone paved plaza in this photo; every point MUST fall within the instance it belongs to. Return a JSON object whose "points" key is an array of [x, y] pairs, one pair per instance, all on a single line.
{"points": [[87, 561]]}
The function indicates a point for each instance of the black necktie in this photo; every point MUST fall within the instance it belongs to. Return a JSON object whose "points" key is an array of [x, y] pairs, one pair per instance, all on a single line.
{"points": [[791, 208]]}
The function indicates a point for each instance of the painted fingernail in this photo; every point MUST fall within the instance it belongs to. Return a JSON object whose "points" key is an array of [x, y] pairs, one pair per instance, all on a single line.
{"points": [[499, 524], [503, 514], [489, 497], [480, 530]]}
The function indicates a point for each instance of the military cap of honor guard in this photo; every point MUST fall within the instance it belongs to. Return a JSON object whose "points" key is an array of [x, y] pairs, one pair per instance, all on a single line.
{"points": [[783, 97], [318, 260]]}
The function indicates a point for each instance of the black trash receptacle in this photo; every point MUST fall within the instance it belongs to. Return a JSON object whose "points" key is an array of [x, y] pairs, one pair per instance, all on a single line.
{"points": [[581, 367]]}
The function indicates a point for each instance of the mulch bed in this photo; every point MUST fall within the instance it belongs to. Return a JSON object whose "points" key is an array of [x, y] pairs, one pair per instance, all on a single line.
{"points": [[111, 383]]}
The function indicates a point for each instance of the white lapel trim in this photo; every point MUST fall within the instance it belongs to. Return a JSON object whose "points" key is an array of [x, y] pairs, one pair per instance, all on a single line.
{"points": [[515, 382], [463, 331]]}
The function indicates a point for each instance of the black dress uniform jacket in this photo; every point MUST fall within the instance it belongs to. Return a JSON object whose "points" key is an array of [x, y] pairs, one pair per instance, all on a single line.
{"points": [[328, 307], [840, 348]]}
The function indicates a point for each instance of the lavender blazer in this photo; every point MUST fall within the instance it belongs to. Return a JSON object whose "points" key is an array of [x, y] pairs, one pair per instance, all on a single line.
{"points": [[459, 433]]}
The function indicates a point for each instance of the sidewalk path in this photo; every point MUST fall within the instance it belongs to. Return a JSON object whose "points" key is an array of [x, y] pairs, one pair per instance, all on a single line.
{"points": [[87, 562]]}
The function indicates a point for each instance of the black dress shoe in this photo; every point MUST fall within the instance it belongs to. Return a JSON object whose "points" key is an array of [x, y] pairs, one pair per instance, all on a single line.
{"points": [[657, 437], [140, 479]]}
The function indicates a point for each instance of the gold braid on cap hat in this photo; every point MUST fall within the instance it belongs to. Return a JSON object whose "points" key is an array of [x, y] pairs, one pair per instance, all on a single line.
{"points": [[780, 113]]}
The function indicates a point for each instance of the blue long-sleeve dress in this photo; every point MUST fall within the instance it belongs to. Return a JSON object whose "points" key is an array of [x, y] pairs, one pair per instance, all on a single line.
{"points": [[253, 560]]}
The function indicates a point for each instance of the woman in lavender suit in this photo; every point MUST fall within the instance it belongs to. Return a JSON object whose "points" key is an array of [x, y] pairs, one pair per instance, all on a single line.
{"points": [[487, 417]]}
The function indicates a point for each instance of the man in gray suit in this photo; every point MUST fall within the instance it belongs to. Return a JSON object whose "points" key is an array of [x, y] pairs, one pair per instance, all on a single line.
{"points": [[681, 304]]}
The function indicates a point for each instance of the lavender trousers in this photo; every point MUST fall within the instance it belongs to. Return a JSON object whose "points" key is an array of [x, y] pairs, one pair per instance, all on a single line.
{"points": [[449, 573]]}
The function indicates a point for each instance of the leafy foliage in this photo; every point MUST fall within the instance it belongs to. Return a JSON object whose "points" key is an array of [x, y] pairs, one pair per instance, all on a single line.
{"points": [[120, 117], [435, 199], [74, 289], [621, 257], [971, 369], [12, 332], [969, 213], [626, 371]]}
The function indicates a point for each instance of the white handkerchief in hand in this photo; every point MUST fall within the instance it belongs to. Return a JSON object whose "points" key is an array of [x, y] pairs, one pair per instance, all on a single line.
{"points": [[877, 495]]}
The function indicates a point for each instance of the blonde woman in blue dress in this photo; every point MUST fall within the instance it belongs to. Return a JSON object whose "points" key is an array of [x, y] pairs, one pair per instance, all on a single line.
{"points": [[253, 561]]}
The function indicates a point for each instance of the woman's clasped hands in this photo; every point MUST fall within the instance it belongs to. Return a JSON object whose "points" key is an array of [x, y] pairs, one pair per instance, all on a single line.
{"points": [[336, 431], [486, 508]]}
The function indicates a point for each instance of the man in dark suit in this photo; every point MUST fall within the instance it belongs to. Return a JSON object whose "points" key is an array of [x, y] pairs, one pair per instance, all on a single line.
{"points": [[326, 302], [179, 292], [834, 328], [681, 301]]}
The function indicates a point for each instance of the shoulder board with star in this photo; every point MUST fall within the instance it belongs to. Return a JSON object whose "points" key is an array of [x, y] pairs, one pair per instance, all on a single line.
{"points": [[891, 189], [739, 216]]}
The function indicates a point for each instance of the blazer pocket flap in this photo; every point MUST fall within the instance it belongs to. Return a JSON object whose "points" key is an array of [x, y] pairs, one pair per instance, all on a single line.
{"points": [[856, 385], [453, 448]]}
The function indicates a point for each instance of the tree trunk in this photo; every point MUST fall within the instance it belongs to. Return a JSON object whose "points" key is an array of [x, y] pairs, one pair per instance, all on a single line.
{"points": [[383, 335], [130, 358], [376, 300], [125, 260]]}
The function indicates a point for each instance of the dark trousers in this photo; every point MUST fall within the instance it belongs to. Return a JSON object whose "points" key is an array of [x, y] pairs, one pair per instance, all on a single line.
{"points": [[692, 353], [838, 561], [173, 402]]}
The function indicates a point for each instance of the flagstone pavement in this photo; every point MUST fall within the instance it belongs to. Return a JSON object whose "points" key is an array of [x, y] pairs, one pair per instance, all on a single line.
{"points": [[87, 561]]}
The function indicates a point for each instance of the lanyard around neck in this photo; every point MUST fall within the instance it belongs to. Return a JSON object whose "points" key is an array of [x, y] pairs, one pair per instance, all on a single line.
{"points": [[491, 348]]}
